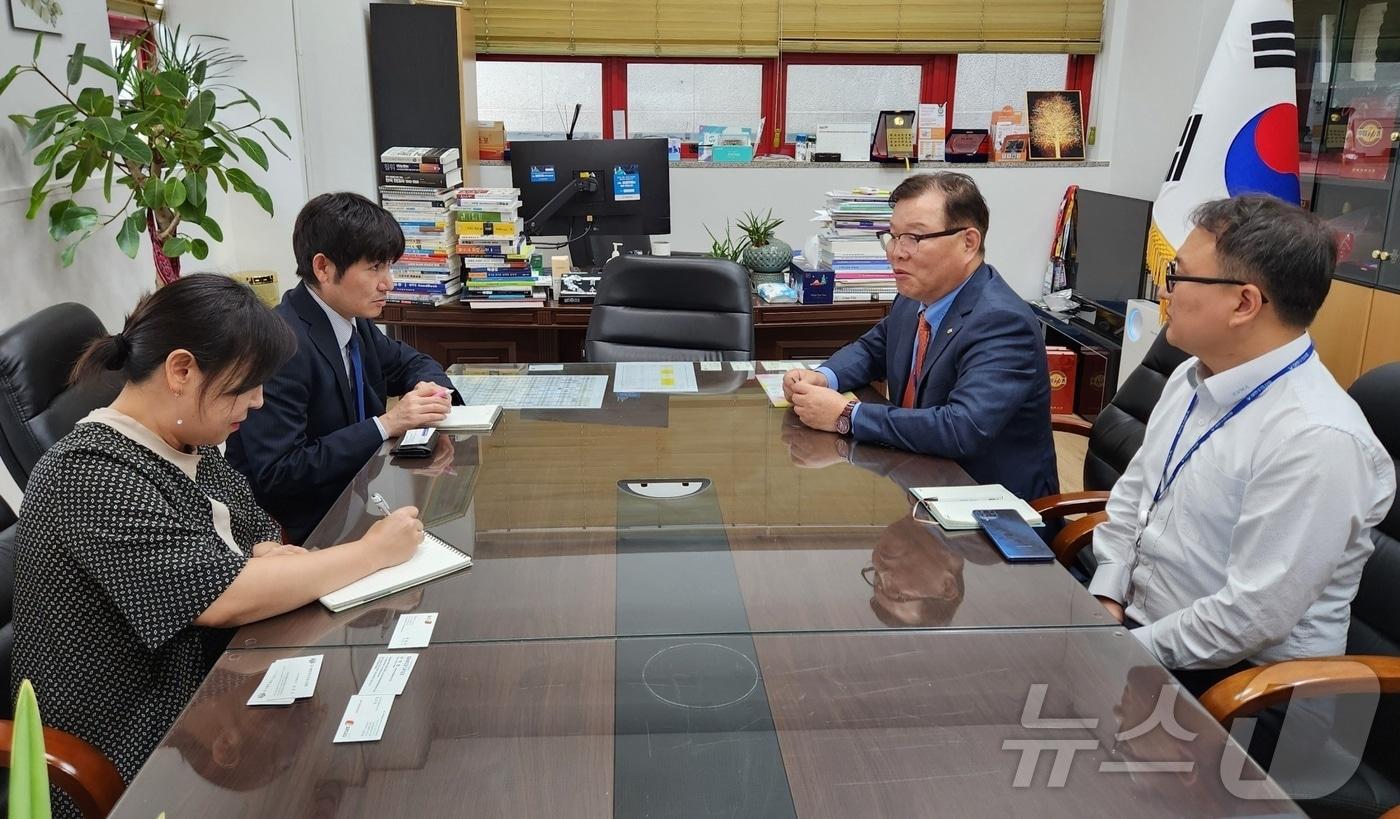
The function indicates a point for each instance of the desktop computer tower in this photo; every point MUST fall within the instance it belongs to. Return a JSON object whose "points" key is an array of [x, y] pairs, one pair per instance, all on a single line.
{"points": [[1141, 326]]}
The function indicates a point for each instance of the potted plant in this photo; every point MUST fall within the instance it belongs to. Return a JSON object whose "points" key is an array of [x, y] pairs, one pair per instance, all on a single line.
{"points": [[727, 248], [767, 255], [159, 135]]}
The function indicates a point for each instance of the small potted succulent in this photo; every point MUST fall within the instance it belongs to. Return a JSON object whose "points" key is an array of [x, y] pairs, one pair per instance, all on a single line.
{"points": [[767, 256]]}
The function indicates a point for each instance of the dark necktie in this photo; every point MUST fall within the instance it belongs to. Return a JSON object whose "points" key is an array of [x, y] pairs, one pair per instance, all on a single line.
{"points": [[920, 347], [357, 372]]}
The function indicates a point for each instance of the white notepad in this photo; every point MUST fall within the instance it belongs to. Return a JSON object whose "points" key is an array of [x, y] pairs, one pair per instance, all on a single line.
{"points": [[952, 506], [433, 559], [475, 418]]}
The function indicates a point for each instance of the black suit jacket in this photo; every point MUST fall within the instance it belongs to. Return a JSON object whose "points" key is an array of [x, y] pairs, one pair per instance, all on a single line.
{"points": [[303, 446]]}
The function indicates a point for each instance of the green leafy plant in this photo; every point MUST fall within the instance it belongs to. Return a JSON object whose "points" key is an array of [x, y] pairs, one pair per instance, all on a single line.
{"points": [[160, 135], [728, 247], [759, 229], [29, 773]]}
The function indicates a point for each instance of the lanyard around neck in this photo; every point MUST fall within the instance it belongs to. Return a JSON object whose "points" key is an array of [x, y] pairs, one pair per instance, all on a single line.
{"points": [[1166, 482]]}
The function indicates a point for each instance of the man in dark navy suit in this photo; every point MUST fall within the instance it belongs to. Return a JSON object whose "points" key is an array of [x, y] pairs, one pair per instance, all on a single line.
{"points": [[324, 413], [961, 353]]}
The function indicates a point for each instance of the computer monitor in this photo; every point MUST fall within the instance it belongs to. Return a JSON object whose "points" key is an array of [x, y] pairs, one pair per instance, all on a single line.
{"points": [[577, 187], [1110, 238]]}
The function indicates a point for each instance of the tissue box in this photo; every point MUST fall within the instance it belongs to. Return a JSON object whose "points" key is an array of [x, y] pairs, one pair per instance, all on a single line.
{"points": [[732, 153], [813, 284]]}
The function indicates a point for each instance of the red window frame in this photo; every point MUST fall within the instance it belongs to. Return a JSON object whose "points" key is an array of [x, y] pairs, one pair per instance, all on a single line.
{"points": [[134, 28], [939, 80]]}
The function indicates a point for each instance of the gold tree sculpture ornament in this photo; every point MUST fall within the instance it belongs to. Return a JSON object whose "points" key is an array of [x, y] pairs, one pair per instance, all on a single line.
{"points": [[1055, 124]]}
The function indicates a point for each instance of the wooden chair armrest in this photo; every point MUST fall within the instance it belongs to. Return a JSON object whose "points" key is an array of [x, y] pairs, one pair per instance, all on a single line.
{"points": [[1393, 813], [76, 767], [1255, 689], [1075, 536], [1071, 423], [1070, 503]]}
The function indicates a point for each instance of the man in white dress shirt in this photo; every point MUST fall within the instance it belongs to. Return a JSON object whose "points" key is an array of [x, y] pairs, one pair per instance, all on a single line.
{"points": [[1238, 532]]}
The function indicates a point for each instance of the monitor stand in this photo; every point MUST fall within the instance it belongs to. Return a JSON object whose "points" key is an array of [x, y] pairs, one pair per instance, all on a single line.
{"points": [[592, 251]]}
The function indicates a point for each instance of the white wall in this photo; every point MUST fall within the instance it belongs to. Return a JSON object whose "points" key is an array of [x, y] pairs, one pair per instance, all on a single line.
{"points": [[1022, 201], [263, 31], [31, 277], [1154, 58]]}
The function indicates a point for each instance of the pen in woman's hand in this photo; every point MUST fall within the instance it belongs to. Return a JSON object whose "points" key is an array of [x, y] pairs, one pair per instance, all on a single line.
{"points": [[380, 502]]}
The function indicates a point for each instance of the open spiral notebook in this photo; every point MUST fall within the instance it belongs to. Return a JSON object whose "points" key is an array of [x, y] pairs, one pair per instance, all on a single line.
{"points": [[433, 559]]}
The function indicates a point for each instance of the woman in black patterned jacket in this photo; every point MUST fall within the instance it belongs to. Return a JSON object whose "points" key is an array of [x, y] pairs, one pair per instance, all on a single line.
{"points": [[139, 546]]}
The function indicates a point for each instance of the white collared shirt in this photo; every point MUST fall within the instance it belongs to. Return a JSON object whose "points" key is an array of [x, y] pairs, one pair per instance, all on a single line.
{"points": [[1256, 550], [344, 328]]}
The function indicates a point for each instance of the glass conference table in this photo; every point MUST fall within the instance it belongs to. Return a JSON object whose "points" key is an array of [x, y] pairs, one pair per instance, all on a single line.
{"points": [[692, 605]]}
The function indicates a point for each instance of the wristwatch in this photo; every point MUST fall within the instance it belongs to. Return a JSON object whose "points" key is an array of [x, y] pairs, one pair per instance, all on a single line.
{"points": [[843, 423]]}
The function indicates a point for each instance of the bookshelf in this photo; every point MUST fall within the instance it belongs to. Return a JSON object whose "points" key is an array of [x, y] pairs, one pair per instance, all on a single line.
{"points": [[422, 61]]}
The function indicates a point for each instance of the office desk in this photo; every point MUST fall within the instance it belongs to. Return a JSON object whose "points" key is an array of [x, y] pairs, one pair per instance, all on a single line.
{"points": [[457, 334], [895, 724], [769, 544], [786, 641]]}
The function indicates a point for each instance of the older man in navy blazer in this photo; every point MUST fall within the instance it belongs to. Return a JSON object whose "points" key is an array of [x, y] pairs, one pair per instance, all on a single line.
{"points": [[324, 414], [961, 353]]}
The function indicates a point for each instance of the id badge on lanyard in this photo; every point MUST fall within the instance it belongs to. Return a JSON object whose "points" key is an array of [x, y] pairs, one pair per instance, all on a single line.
{"points": [[1166, 482]]}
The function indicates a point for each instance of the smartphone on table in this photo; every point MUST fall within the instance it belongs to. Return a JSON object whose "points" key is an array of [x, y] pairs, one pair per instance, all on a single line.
{"points": [[1012, 536]]}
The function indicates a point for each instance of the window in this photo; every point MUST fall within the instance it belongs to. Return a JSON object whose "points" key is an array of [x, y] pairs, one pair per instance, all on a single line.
{"points": [[818, 94], [536, 99], [987, 82], [675, 99]]}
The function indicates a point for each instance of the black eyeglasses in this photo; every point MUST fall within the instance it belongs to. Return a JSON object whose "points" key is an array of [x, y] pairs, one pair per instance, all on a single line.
{"points": [[910, 241], [1173, 277]]}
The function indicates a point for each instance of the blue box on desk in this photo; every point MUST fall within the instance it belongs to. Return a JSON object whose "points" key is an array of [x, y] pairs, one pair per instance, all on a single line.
{"points": [[813, 284], [732, 153]]}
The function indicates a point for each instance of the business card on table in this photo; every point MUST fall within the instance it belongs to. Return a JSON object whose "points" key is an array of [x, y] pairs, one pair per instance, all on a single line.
{"points": [[364, 718], [286, 681], [546, 368], [413, 630], [712, 365], [741, 366], [389, 674]]}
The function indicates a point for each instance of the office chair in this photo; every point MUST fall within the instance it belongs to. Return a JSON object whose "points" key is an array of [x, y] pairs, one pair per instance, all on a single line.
{"points": [[7, 598], [663, 308], [1373, 642], [37, 407], [1114, 438], [75, 767]]}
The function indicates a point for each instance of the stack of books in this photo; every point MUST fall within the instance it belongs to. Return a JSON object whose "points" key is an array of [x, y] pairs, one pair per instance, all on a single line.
{"points": [[848, 245], [419, 187], [491, 244]]}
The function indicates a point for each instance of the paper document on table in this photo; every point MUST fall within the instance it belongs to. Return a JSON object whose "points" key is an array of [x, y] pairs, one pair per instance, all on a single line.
{"points": [[647, 376], [533, 391], [772, 384]]}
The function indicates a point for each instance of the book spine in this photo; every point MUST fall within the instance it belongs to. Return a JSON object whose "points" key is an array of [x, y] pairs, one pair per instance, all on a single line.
{"points": [[433, 180], [415, 167], [485, 216], [486, 229]]}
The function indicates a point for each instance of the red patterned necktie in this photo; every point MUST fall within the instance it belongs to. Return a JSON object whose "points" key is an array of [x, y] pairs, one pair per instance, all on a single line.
{"points": [[921, 347]]}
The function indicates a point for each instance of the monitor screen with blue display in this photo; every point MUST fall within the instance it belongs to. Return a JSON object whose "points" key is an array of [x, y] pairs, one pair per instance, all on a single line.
{"points": [[629, 192]]}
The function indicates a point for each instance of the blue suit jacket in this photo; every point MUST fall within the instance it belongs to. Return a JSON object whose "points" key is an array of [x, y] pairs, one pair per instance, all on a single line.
{"points": [[984, 398], [302, 448]]}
